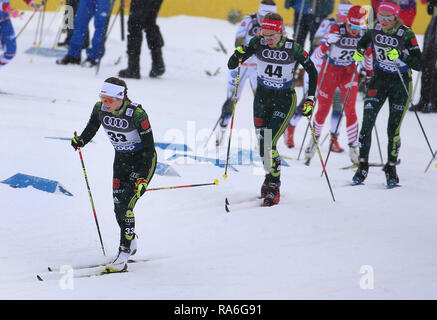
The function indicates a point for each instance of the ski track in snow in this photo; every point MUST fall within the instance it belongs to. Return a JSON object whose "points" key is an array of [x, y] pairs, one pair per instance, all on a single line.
{"points": [[306, 247]]}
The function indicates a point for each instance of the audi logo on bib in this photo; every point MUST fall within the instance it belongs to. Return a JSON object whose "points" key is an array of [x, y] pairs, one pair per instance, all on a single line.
{"points": [[275, 55], [115, 122], [348, 42], [387, 40]]}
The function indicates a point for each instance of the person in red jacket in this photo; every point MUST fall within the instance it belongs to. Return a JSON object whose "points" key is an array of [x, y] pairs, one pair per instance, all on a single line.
{"points": [[341, 73]]}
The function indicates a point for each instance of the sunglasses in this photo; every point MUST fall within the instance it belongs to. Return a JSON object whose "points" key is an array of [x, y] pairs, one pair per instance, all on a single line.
{"points": [[385, 18], [107, 100], [270, 38], [355, 27]]}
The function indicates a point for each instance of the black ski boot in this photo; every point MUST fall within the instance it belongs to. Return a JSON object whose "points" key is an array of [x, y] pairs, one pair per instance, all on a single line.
{"points": [[133, 69], [89, 63], [68, 60], [273, 194], [265, 186], [361, 173], [390, 174], [158, 67], [420, 106]]}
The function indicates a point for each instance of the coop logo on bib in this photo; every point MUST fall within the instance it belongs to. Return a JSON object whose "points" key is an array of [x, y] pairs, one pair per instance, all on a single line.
{"points": [[274, 55], [115, 122], [387, 40]]}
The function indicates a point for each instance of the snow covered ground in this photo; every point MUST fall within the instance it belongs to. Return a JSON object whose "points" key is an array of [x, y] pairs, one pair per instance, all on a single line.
{"points": [[307, 247]]}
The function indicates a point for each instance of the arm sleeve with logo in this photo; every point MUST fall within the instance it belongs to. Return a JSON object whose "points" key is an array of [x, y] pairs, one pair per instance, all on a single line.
{"points": [[414, 58], [242, 31], [303, 58], [365, 42], [249, 51], [92, 126]]}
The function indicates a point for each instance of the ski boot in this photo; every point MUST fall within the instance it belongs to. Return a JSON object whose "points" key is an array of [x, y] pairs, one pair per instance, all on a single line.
{"points": [[265, 186], [133, 245], [361, 173], [390, 174], [272, 194], [133, 69], [289, 136], [420, 106], [310, 151], [120, 262], [220, 136], [158, 67], [353, 152], [335, 146], [89, 63], [68, 60]]}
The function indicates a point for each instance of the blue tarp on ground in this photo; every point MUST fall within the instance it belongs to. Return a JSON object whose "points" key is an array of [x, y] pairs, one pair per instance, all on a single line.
{"points": [[21, 180]]}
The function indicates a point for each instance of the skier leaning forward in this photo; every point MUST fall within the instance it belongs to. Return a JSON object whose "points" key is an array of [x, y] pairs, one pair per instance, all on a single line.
{"points": [[395, 49], [341, 72], [128, 128], [275, 98]]}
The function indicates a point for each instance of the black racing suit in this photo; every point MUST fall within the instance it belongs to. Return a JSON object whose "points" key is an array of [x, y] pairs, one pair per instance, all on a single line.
{"points": [[135, 157]]}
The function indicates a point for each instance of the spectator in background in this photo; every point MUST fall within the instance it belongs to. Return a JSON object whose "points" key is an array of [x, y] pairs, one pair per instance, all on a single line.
{"points": [[407, 11], [428, 92], [142, 17], [99, 9], [75, 5]]}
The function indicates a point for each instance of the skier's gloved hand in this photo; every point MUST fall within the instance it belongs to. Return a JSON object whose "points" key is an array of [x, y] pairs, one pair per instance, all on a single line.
{"points": [[141, 185], [393, 54], [11, 11], [308, 106], [77, 142], [358, 56], [239, 51], [332, 38]]}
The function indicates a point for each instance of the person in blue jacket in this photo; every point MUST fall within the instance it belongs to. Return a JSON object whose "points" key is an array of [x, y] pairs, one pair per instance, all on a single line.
{"points": [[99, 9], [7, 33]]}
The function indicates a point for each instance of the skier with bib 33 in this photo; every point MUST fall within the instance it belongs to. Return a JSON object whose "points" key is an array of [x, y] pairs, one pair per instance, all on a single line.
{"points": [[128, 128]]}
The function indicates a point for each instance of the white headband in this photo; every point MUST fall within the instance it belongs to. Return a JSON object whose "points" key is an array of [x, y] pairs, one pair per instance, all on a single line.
{"points": [[266, 8], [112, 90]]}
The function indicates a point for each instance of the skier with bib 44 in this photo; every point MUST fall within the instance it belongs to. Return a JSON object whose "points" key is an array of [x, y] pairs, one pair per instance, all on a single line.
{"points": [[275, 98], [128, 128], [396, 52]]}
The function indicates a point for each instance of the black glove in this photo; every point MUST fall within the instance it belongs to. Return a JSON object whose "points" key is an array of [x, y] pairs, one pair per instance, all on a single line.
{"points": [[430, 9], [77, 142]]}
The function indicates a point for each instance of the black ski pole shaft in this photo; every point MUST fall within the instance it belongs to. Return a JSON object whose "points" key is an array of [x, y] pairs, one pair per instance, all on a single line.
{"points": [[341, 114], [379, 145], [315, 103], [432, 159], [225, 175], [415, 112], [122, 19], [321, 158], [91, 197]]}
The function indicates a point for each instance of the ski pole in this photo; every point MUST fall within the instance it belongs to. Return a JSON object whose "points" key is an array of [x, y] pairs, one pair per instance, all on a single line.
{"points": [[232, 120], [415, 112], [25, 25], [341, 114], [122, 19], [320, 157], [212, 132], [316, 97], [432, 159], [216, 182], [379, 146], [91, 197]]}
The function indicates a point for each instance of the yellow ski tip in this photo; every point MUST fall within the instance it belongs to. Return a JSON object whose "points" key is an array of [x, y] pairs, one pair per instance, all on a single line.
{"points": [[225, 175], [216, 182]]}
